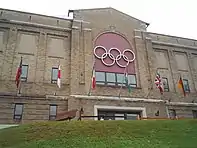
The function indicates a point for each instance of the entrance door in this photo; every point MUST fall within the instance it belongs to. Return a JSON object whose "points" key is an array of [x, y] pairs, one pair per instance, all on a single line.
{"points": [[118, 115], [132, 116]]}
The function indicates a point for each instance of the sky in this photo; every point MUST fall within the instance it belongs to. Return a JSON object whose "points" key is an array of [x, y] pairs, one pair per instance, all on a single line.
{"points": [[170, 17]]}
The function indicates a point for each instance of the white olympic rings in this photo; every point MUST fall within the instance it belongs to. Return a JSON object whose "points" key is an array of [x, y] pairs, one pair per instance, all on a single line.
{"points": [[112, 57]]}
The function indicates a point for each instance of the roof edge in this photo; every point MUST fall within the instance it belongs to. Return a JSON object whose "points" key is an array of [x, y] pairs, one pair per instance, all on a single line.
{"points": [[169, 35], [31, 13], [147, 24]]}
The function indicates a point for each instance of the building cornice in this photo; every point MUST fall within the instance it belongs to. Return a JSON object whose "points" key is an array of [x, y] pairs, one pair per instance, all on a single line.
{"points": [[182, 104], [142, 100], [173, 45], [35, 25], [103, 98]]}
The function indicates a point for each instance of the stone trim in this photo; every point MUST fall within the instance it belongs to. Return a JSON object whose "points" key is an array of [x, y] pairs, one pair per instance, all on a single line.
{"points": [[36, 25], [181, 104], [75, 27], [118, 99], [137, 30], [87, 29], [147, 38], [56, 97], [137, 37], [173, 45], [96, 107], [32, 54], [81, 21], [103, 98]]}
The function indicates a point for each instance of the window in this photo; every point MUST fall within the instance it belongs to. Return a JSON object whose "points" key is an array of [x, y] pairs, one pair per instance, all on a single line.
{"points": [[120, 79], [54, 75], [118, 115], [132, 80], [132, 116], [186, 85], [24, 73], [172, 113], [52, 112], [18, 111], [100, 77], [106, 78], [194, 113], [165, 84], [110, 78]]}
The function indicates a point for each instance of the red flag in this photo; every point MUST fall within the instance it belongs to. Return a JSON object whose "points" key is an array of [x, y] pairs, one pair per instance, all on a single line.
{"points": [[18, 74], [59, 77], [93, 79]]}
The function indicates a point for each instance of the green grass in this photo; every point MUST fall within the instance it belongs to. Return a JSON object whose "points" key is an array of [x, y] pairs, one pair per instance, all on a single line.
{"points": [[102, 134]]}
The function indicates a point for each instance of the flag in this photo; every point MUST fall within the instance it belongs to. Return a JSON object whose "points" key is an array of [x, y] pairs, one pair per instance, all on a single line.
{"points": [[18, 74], [59, 77], [159, 83], [93, 79], [180, 86], [127, 82]]}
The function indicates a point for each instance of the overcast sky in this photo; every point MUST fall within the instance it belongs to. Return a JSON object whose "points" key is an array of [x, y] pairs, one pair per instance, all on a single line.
{"points": [[171, 17]]}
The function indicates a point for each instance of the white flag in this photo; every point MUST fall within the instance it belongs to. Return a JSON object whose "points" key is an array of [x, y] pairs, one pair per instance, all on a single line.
{"points": [[59, 77]]}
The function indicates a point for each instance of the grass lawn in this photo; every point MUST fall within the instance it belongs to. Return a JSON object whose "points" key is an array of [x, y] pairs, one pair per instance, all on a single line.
{"points": [[102, 134]]}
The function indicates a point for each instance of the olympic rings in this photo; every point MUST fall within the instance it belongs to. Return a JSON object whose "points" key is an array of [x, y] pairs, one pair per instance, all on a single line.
{"points": [[115, 59]]}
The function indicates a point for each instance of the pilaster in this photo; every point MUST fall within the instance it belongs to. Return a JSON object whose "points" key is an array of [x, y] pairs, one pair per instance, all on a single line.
{"points": [[41, 58], [75, 58], [89, 59], [141, 57], [9, 54]]}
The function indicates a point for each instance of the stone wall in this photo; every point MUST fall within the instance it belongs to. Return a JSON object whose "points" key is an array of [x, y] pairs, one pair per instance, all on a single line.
{"points": [[43, 42], [153, 52], [35, 108]]}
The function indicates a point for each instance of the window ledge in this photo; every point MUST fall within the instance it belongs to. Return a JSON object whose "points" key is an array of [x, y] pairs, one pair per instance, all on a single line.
{"points": [[115, 86]]}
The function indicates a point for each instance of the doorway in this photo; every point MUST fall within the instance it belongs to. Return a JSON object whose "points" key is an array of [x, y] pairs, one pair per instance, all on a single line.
{"points": [[118, 115]]}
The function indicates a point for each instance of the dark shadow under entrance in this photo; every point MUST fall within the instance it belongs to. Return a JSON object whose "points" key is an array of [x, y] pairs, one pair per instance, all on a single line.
{"points": [[118, 115]]}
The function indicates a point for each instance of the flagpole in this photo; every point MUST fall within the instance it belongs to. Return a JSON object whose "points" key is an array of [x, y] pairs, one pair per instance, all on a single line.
{"points": [[19, 88], [20, 83], [57, 77], [91, 79], [122, 80]]}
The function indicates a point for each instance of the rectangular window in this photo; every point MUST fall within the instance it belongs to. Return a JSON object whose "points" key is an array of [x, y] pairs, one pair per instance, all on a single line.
{"points": [[194, 114], [24, 73], [165, 84], [18, 111], [119, 116], [132, 80], [114, 79], [120, 79], [132, 116], [54, 75], [52, 112], [100, 77], [111, 78], [172, 113], [186, 85]]}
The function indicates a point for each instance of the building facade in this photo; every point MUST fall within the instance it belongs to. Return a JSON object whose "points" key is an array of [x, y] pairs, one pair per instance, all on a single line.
{"points": [[106, 40]]}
